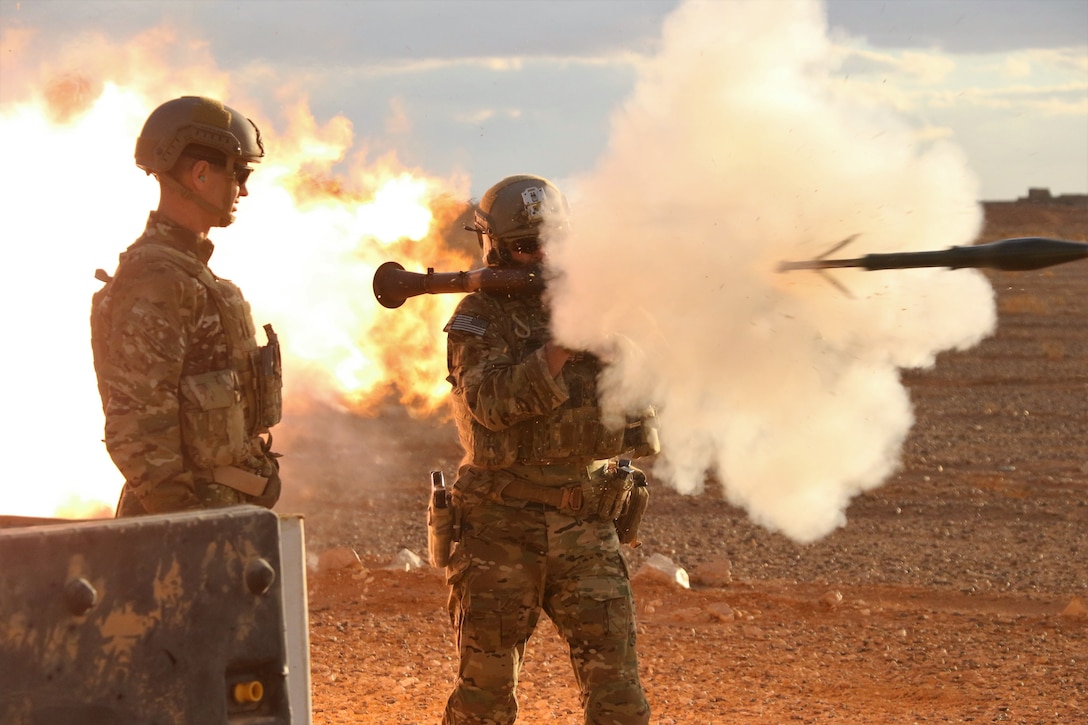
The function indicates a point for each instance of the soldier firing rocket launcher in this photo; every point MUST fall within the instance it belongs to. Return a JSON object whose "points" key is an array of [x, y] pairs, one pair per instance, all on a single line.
{"points": [[1015, 255]]}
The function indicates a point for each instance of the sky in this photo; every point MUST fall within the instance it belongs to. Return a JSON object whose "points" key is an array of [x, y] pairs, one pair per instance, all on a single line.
{"points": [[487, 88]]}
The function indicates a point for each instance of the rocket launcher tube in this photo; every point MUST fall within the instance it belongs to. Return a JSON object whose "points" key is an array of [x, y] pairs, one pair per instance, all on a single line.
{"points": [[393, 285]]}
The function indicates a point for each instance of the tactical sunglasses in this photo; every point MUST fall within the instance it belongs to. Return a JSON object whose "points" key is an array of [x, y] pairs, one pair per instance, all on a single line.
{"points": [[241, 173]]}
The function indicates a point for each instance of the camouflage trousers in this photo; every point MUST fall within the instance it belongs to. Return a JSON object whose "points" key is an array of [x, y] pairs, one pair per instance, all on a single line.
{"points": [[513, 563]]}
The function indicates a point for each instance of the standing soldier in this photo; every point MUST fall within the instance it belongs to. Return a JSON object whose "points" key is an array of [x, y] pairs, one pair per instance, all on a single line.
{"points": [[539, 495], [187, 393]]}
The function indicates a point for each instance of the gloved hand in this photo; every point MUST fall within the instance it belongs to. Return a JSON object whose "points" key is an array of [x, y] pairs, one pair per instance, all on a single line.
{"points": [[271, 493]]}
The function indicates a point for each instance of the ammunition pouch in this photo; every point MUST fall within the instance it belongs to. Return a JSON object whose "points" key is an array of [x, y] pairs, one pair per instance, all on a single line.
{"points": [[212, 415]]}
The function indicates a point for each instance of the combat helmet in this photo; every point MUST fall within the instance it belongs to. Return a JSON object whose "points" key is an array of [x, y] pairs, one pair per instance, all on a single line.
{"points": [[512, 214], [196, 121], [205, 129]]}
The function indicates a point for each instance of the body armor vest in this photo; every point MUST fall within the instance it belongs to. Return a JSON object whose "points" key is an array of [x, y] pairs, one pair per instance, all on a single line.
{"points": [[221, 410]]}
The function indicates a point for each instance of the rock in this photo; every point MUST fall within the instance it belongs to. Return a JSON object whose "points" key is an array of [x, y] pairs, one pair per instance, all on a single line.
{"points": [[721, 612], [405, 560], [718, 573], [342, 557], [662, 569], [831, 599], [752, 631]]}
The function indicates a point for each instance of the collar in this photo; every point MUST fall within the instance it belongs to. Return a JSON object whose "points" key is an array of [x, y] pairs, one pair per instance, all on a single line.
{"points": [[163, 230]]}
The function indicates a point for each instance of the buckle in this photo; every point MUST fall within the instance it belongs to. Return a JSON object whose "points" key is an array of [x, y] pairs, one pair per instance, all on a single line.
{"points": [[573, 498]]}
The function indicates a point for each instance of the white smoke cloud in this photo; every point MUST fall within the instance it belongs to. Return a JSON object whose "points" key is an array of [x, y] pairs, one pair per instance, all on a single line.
{"points": [[741, 146]]}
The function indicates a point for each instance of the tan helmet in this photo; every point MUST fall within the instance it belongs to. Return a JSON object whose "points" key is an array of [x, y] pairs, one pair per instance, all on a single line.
{"points": [[513, 212], [203, 128], [196, 121]]}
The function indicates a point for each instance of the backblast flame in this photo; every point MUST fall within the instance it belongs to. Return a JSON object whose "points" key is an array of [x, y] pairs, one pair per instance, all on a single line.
{"points": [[315, 226]]}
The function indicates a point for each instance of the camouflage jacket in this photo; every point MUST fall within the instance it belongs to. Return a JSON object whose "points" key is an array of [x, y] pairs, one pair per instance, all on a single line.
{"points": [[183, 387], [507, 406]]}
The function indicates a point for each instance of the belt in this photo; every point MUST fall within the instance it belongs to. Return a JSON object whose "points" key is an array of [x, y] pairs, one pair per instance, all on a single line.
{"points": [[536, 494], [538, 506], [566, 499], [556, 473]]}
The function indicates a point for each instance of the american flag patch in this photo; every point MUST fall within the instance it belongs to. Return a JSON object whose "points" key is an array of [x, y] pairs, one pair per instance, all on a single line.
{"points": [[468, 323]]}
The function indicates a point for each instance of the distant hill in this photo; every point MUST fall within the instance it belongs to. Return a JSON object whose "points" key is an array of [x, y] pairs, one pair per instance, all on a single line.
{"points": [[1054, 217]]}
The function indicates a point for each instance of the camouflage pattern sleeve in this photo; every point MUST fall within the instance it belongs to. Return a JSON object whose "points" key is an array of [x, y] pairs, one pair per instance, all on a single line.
{"points": [[498, 389], [148, 337]]}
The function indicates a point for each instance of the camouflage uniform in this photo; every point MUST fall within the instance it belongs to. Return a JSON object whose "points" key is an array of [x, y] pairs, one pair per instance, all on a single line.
{"points": [[186, 391], [520, 426]]}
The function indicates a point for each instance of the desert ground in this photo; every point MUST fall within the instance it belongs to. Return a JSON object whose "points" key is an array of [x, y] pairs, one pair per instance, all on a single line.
{"points": [[955, 593]]}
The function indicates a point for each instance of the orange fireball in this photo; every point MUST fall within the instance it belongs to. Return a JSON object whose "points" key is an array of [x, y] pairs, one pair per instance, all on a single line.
{"points": [[319, 220]]}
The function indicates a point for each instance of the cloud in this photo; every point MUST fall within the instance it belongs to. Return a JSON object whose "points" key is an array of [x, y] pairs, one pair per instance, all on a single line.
{"points": [[1017, 66], [1067, 99], [1071, 62], [926, 68]]}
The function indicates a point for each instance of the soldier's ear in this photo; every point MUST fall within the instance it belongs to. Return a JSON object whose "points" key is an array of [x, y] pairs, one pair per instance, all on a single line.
{"points": [[199, 172]]}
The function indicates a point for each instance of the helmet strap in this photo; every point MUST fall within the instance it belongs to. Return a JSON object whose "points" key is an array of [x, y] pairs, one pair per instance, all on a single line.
{"points": [[224, 217]]}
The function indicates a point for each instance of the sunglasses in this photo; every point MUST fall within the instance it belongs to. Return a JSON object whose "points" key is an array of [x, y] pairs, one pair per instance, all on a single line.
{"points": [[241, 173]]}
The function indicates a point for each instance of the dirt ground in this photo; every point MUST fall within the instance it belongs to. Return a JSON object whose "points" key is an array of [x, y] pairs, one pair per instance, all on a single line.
{"points": [[956, 592]]}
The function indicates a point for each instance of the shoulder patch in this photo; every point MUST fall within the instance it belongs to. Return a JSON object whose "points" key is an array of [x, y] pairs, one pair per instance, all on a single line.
{"points": [[467, 323]]}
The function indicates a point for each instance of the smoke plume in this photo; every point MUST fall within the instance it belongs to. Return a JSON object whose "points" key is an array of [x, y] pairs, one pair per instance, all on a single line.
{"points": [[743, 145]]}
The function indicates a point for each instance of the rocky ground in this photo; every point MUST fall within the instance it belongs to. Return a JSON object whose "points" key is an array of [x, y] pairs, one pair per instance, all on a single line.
{"points": [[956, 592]]}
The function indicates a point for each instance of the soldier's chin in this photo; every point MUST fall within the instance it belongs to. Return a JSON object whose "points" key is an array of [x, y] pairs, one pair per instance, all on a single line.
{"points": [[225, 221]]}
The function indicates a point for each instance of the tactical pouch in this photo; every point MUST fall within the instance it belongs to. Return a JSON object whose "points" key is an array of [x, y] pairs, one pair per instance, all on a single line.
{"points": [[628, 521], [623, 499], [269, 383], [440, 524], [213, 419], [613, 492]]}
